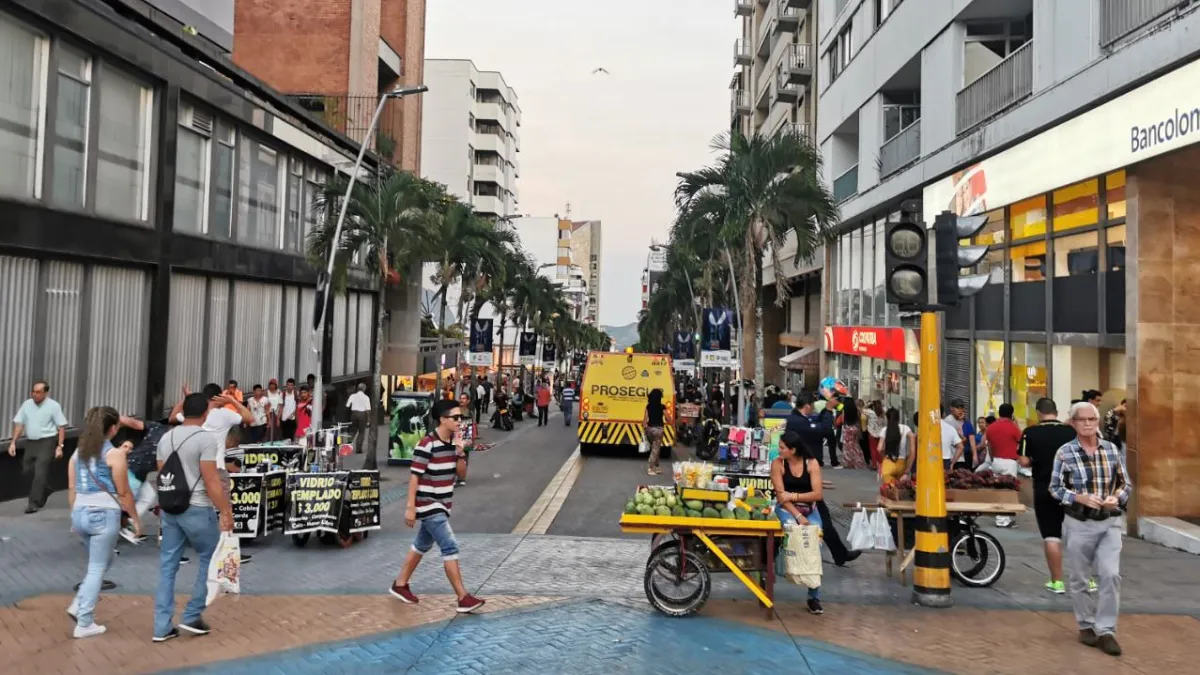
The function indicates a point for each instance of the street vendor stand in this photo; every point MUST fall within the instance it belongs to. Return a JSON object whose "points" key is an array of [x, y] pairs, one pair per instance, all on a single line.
{"points": [[301, 488], [962, 516]]}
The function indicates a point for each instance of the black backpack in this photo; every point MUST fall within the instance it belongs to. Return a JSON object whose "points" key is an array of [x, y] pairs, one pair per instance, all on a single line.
{"points": [[174, 495], [143, 459]]}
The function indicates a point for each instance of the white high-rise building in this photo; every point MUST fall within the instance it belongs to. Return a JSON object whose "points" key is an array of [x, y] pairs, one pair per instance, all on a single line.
{"points": [[470, 135]]}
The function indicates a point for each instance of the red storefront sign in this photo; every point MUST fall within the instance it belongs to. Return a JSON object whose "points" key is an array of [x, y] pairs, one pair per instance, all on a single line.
{"points": [[893, 344]]}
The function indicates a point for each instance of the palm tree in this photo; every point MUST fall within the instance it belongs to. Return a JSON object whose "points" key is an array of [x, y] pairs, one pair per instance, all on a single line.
{"points": [[453, 241], [762, 189], [381, 215], [498, 292]]}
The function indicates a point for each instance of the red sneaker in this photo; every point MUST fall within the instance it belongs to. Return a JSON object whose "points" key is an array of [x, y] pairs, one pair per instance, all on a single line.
{"points": [[406, 596], [468, 604]]}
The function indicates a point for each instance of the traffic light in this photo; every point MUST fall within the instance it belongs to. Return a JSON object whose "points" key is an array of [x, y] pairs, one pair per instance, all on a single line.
{"points": [[951, 257], [906, 257]]}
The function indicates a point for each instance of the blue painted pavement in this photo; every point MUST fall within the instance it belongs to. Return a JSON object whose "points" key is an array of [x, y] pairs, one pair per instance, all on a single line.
{"points": [[579, 638]]}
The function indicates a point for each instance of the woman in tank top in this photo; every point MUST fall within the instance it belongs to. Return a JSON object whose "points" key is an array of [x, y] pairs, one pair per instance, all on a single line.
{"points": [[796, 477], [98, 491]]}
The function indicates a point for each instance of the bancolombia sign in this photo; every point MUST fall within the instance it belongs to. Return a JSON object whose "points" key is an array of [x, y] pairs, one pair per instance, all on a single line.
{"points": [[892, 344], [1144, 123]]}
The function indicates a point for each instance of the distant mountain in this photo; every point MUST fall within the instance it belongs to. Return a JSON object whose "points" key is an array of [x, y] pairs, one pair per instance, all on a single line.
{"points": [[624, 335]]}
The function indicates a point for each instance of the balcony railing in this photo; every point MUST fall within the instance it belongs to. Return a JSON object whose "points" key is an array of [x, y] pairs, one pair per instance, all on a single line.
{"points": [[743, 7], [900, 150], [351, 115], [800, 62], [845, 186], [741, 53], [1119, 18], [740, 103], [798, 129], [785, 89], [789, 18], [1004, 85]]}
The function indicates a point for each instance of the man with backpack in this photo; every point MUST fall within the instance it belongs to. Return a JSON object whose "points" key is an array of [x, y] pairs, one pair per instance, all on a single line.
{"points": [[195, 510]]}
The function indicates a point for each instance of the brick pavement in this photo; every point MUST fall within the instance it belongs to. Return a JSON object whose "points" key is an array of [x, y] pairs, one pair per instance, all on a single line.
{"points": [[35, 634]]}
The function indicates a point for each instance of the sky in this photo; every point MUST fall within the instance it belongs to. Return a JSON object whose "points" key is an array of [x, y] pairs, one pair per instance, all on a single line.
{"points": [[607, 144]]}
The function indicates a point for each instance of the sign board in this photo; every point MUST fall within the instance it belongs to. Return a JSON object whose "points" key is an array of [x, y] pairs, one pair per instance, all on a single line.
{"points": [[685, 365], [480, 353], [362, 507], [716, 337], [257, 503], [892, 344], [527, 350]]}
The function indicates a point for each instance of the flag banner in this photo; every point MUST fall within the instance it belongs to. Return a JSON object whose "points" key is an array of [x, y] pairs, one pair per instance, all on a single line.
{"points": [[481, 343], [549, 355], [715, 340], [684, 348], [527, 350]]}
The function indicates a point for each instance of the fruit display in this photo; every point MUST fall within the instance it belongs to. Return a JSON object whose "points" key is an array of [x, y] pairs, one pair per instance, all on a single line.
{"points": [[660, 501], [901, 488], [965, 479]]}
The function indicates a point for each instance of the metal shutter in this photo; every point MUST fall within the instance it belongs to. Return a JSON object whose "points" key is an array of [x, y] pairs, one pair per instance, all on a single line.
{"points": [[957, 375]]}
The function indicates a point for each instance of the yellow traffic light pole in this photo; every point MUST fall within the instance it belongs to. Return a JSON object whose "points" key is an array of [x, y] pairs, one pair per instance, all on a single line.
{"points": [[931, 559]]}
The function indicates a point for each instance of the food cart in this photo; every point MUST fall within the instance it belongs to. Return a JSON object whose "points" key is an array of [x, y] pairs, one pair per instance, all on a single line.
{"points": [[686, 550]]}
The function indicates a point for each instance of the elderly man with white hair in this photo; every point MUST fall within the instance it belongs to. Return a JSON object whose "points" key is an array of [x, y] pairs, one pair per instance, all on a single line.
{"points": [[1090, 480]]}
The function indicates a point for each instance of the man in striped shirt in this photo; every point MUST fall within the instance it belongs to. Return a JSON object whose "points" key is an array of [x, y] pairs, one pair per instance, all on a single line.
{"points": [[437, 460], [1090, 481]]}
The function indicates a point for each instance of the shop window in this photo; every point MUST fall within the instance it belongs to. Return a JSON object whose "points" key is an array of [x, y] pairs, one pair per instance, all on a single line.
{"points": [[220, 223], [1029, 378], [258, 195], [1029, 262], [1077, 205], [1076, 255], [989, 377], [992, 235], [1115, 242], [71, 128], [1028, 218], [1114, 195]]}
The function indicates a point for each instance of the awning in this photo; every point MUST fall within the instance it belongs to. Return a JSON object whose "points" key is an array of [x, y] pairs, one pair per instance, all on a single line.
{"points": [[792, 361]]}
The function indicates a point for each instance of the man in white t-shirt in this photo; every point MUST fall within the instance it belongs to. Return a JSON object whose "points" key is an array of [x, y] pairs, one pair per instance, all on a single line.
{"points": [[952, 445], [360, 411]]}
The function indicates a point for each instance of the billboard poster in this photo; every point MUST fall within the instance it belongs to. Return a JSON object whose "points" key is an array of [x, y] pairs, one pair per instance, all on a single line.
{"points": [[715, 337], [527, 350], [684, 347], [481, 343], [549, 355]]}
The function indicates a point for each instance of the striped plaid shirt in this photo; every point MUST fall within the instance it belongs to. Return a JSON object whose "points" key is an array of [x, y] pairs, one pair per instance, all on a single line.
{"points": [[1102, 473], [434, 463]]}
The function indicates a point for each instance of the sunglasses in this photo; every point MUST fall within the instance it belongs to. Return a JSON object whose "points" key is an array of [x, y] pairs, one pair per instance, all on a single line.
{"points": [[456, 418]]}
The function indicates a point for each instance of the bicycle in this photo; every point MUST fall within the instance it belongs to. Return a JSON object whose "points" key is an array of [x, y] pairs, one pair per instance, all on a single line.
{"points": [[973, 552]]}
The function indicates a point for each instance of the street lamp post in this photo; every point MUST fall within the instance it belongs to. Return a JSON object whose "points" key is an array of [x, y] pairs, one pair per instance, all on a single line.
{"points": [[322, 296]]}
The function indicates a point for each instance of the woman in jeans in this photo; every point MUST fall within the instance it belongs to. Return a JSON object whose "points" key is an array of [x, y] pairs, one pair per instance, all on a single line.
{"points": [[796, 477], [654, 419], [98, 491]]}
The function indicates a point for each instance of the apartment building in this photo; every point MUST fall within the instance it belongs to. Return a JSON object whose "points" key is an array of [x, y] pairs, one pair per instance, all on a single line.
{"points": [[587, 251], [471, 137], [156, 200], [773, 89], [1070, 124]]}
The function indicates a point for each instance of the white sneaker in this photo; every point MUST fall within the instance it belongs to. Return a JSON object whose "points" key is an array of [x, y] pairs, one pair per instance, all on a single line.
{"points": [[73, 610], [128, 535], [89, 631]]}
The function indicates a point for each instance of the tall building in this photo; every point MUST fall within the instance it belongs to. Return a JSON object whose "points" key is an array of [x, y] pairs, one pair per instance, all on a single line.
{"points": [[569, 275], [587, 252], [471, 135], [1068, 124], [773, 90], [156, 200]]}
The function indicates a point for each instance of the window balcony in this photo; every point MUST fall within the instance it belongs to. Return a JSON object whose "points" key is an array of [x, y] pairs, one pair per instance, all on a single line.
{"points": [[490, 173], [900, 150], [740, 103], [351, 115], [789, 20], [485, 142], [743, 7], [799, 4], [800, 129], [1000, 88], [491, 112], [1119, 18], [786, 90], [741, 53], [799, 63], [845, 186], [488, 204]]}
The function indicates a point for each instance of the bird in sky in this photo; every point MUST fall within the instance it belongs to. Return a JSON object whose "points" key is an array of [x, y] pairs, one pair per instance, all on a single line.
{"points": [[601, 70]]}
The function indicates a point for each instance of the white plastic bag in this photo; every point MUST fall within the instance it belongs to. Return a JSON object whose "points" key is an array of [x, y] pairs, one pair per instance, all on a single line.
{"points": [[882, 531], [802, 556], [861, 536], [224, 572], [644, 446]]}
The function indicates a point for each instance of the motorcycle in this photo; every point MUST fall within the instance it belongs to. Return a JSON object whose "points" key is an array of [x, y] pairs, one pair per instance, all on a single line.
{"points": [[501, 419]]}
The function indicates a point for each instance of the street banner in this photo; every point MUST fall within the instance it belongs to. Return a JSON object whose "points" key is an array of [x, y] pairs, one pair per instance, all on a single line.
{"points": [[549, 355], [684, 347], [715, 338], [314, 501], [254, 456], [684, 365], [362, 501], [527, 350], [481, 343]]}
